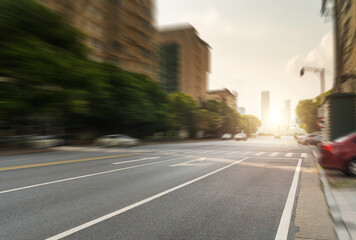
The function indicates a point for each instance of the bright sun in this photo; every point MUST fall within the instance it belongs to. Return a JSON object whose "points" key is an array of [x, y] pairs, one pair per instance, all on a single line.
{"points": [[274, 118]]}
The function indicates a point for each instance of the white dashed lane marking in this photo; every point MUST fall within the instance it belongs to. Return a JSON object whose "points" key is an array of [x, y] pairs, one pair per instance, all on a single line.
{"points": [[260, 153]]}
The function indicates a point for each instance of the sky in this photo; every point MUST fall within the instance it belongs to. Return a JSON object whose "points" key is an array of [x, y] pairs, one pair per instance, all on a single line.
{"points": [[259, 45]]}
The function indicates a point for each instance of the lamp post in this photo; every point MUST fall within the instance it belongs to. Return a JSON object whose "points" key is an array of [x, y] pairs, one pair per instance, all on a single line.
{"points": [[321, 71]]}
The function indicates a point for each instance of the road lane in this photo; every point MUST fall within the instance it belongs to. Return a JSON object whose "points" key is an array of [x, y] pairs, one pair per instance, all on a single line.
{"points": [[52, 206], [47, 210], [242, 202]]}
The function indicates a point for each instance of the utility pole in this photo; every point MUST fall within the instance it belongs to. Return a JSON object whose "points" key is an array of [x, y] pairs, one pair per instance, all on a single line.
{"points": [[321, 71], [331, 9]]}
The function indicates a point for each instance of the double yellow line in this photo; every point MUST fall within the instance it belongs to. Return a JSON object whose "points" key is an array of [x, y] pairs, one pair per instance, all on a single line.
{"points": [[64, 162]]}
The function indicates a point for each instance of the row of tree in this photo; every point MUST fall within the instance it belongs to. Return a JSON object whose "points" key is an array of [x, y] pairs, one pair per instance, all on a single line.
{"points": [[47, 82]]}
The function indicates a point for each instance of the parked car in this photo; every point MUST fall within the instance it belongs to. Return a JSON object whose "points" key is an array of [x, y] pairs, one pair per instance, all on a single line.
{"points": [[315, 139], [116, 140], [226, 136], [44, 141], [296, 135], [308, 138], [277, 136], [301, 138], [240, 136], [339, 154]]}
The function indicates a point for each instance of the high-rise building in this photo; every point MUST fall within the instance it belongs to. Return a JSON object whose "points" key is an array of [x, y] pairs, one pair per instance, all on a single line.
{"points": [[119, 31], [225, 96], [184, 61], [287, 112], [265, 109]]}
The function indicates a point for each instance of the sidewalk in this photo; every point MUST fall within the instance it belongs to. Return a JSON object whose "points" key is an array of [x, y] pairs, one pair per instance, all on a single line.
{"points": [[340, 192], [343, 189], [19, 151], [312, 218]]}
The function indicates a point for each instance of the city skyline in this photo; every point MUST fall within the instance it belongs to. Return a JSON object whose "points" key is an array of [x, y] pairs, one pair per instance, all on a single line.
{"points": [[242, 62]]}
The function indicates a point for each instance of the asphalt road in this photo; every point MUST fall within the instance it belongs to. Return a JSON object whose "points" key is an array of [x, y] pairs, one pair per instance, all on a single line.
{"points": [[201, 190]]}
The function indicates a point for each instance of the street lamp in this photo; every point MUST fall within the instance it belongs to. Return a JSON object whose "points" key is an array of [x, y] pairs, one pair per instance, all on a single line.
{"points": [[321, 71]]}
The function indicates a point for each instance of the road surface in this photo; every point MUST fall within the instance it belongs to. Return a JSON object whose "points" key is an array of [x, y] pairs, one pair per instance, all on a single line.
{"points": [[200, 190]]}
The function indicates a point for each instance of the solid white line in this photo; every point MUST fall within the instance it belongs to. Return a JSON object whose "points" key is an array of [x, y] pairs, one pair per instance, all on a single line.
{"points": [[274, 154], [85, 176], [260, 153], [289, 154], [282, 232], [304, 155], [136, 160], [125, 209]]}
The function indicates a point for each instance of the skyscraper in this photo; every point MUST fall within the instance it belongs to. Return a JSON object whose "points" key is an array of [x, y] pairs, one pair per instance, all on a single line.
{"points": [[265, 109], [287, 112], [184, 61]]}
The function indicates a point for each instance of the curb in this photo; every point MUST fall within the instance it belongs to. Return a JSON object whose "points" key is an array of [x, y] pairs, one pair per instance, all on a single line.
{"points": [[339, 225], [20, 152]]}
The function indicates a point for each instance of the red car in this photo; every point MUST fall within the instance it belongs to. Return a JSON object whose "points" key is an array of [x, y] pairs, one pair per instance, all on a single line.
{"points": [[340, 154]]}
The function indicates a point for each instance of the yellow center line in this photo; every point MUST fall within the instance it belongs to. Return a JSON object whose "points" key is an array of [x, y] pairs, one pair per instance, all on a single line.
{"points": [[67, 161]]}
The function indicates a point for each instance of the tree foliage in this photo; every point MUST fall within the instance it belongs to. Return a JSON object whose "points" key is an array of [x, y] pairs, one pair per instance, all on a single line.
{"points": [[249, 124], [53, 82], [307, 112]]}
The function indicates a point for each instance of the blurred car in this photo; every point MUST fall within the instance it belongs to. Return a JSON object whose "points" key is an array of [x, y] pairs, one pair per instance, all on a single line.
{"points": [[240, 136], [339, 154], [277, 136], [301, 138], [296, 135], [226, 136], [307, 138], [116, 140], [315, 139], [44, 141]]}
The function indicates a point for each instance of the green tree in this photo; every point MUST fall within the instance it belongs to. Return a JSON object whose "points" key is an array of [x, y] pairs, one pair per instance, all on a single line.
{"points": [[307, 112], [228, 116], [43, 56], [208, 122], [53, 81], [249, 124]]}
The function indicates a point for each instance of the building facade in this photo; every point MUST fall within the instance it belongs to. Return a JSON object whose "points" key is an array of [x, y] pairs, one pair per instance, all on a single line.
{"points": [[265, 109], [345, 24], [118, 31], [184, 61], [337, 116], [225, 96]]}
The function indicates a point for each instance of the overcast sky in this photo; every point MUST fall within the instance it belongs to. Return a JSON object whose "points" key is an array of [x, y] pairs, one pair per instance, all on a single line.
{"points": [[259, 45]]}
